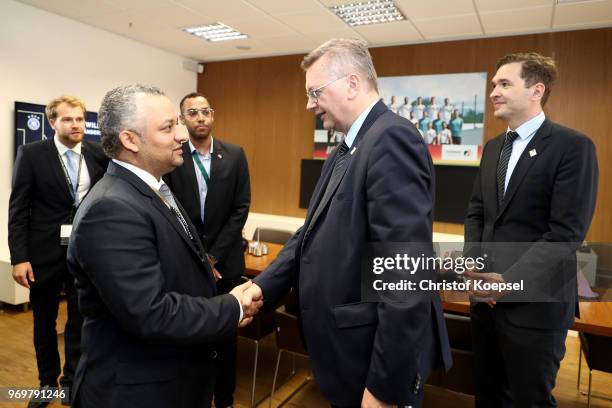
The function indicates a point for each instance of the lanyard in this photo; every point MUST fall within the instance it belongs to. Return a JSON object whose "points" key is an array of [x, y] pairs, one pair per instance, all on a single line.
{"points": [[74, 189], [196, 158]]}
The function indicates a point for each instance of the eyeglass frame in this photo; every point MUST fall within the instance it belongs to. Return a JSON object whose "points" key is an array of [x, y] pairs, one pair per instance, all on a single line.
{"points": [[315, 93], [196, 112]]}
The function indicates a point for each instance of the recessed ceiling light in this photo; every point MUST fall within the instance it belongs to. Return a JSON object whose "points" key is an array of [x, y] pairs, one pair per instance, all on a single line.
{"points": [[215, 32], [368, 12]]}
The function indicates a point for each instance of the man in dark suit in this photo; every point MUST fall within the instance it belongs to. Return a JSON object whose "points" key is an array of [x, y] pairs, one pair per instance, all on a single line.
{"points": [[213, 187], [146, 289], [377, 186], [50, 179], [537, 183]]}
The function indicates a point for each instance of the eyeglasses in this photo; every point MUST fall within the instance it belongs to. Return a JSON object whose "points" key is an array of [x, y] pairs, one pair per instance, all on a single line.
{"points": [[315, 93], [193, 113]]}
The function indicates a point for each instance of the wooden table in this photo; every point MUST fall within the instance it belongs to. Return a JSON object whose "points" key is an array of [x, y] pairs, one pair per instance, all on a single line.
{"points": [[595, 317], [254, 265]]}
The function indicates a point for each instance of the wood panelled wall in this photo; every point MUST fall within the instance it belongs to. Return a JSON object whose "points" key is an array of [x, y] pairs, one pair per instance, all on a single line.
{"points": [[260, 104]]}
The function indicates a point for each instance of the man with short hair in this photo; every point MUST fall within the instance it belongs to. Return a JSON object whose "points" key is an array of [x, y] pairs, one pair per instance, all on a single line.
{"points": [[537, 183], [405, 109], [437, 123], [456, 126], [146, 288], [377, 186], [50, 180], [213, 187], [447, 110]]}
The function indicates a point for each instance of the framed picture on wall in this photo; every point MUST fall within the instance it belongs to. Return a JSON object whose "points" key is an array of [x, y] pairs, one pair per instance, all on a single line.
{"points": [[447, 110]]}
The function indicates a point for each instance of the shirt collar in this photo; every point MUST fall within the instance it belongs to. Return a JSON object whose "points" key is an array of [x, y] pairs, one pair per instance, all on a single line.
{"points": [[530, 127], [352, 133], [192, 147], [62, 148], [144, 175]]}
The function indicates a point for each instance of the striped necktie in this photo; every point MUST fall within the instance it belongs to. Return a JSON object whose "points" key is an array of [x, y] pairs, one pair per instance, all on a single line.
{"points": [[502, 167]]}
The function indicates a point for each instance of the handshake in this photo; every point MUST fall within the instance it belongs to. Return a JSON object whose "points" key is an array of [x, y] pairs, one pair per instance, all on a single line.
{"points": [[251, 299]]}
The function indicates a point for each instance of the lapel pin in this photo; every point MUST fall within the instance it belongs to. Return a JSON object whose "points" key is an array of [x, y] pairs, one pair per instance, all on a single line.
{"points": [[532, 152], [219, 155], [353, 151]]}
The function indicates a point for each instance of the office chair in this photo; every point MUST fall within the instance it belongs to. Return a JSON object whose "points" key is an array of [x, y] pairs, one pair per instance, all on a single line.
{"points": [[274, 236], [261, 326], [288, 340], [460, 377], [598, 355]]}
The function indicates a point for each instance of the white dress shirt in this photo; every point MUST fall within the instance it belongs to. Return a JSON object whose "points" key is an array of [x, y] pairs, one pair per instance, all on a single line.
{"points": [[526, 132], [206, 161]]}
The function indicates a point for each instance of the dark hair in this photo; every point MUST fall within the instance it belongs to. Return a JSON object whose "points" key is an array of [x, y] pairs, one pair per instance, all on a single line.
{"points": [[535, 68], [189, 96]]}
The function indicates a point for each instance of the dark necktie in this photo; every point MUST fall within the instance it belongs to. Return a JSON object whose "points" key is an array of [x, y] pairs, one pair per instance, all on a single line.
{"points": [[502, 167], [337, 172]]}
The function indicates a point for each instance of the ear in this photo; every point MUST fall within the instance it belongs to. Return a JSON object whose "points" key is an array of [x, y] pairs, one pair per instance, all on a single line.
{"points": [[130, 141], [182, 119], [354, 83], [538, 91], [52, 123]]}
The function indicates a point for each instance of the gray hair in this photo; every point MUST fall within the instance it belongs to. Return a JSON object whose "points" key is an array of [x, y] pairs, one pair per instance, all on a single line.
{"points": [[345, 54], [118, 112]]}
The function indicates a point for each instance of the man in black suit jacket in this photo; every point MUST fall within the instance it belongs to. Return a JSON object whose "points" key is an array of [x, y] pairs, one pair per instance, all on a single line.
{"points": [[213, 187], [377, 186], [145, 286], [537, 183], [47, 186]]}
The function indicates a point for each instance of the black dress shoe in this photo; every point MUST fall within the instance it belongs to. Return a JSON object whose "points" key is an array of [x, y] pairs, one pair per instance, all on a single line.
{"points": [[45, 403], [38, 404]]}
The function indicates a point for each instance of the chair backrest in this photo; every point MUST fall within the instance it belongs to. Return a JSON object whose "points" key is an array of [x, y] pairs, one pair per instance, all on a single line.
{"points": [[288, 333], [459, 331], [274, 236], [597, 351]]}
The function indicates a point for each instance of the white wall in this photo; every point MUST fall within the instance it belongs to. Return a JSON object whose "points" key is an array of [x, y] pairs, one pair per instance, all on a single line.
{"points": [[43, 55]]}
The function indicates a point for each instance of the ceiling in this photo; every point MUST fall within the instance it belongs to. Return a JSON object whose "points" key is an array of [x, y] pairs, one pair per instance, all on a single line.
{"points": [[277, 27]]}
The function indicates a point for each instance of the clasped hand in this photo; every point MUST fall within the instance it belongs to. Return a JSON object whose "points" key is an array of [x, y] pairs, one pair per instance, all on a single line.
{"points": [[488, 296], [250, 297]]}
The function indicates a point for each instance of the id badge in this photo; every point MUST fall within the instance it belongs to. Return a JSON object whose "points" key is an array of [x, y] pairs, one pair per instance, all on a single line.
{"points": [[65, 231]]}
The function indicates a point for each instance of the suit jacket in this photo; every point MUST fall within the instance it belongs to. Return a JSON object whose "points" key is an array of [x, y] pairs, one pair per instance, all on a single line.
{"points": [[550, 198], [227, 203], [385, 195], [147, 295], [41, 201]]}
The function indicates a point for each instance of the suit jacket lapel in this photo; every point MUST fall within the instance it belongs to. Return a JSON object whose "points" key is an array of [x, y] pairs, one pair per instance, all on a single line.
{"points": [[490, 184], [217, 165], [93, 170], [538, 142], [58, 172], [156, 200], [190, 169]]}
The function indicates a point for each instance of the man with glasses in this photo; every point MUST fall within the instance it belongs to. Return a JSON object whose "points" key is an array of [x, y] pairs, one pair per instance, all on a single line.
{"points": [[377, 186], [213, 186], [50, 179]]}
